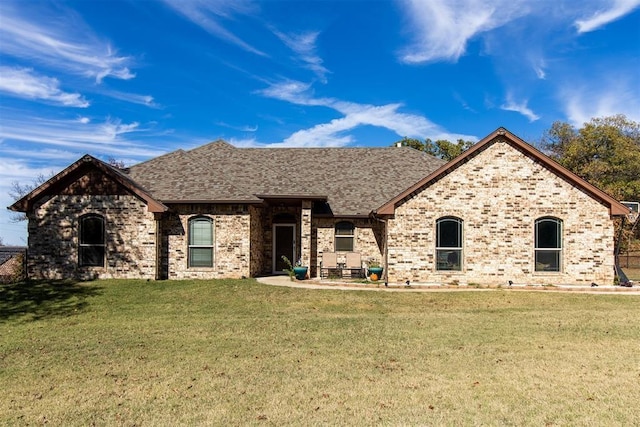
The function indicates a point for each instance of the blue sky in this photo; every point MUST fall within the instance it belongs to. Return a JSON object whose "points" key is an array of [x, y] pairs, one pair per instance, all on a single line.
{"points": [[132, 80]]}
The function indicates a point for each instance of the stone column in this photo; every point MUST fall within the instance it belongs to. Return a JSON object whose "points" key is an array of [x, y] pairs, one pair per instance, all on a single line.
{"points": [[305, 233]]}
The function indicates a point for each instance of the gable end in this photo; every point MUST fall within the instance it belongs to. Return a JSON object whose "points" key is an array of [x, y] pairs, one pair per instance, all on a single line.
{"points": [[503, 135]]}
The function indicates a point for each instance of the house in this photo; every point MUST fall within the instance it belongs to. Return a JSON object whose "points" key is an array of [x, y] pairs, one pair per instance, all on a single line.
{"points": [[501, 211], [11, 263]]}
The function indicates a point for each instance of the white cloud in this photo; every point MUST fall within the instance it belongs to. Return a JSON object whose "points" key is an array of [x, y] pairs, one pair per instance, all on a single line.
{"points": [[442, 28], [245, 143], [63, 43], [133, 98], [105, 138], [519, 107], [13, 168], [208, 14], [618, 9], [304, 44], [354, 116], [612, 96], [253, 128], [24, 83]]}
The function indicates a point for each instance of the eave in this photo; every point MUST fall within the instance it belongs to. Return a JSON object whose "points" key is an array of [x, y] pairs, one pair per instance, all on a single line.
{"points": [[26, 203], [615, 207]]}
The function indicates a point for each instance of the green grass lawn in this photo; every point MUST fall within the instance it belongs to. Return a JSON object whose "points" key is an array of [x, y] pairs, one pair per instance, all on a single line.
{"points": [[239, 352]]}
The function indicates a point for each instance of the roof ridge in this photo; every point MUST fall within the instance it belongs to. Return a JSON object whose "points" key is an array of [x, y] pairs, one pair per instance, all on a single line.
{"points": [[162, 156]]}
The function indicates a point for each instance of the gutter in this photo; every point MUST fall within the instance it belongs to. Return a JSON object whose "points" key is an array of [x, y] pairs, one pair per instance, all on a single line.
{"points": [[385, 251]]}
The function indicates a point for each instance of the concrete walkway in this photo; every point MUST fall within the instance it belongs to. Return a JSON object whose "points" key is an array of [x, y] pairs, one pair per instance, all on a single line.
{"points": [[379, 286]]}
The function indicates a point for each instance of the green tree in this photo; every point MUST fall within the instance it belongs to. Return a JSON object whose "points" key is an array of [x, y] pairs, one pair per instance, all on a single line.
{"points": [[441, 148], [446, 150], [411, 142], [605, 152]]}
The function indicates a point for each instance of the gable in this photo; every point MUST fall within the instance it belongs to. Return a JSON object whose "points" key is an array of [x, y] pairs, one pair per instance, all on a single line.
{"points": [[524, 150], [87, 176]]}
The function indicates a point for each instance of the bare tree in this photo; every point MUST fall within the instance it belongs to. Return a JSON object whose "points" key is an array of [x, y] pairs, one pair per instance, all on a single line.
{"points": [[18, 190], [119, 164]]}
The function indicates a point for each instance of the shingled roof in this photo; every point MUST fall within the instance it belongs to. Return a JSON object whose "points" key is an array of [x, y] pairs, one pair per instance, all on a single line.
{"points": [[354, 181]]}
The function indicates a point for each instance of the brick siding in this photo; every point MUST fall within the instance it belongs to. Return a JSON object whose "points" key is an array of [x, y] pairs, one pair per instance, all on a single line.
{"points": [[499, 194]]}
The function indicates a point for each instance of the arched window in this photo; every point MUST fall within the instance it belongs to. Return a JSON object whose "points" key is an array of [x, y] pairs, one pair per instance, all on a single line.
{"points": [[344, 236], [449, 244], [548, 244], [91, 241], [200, 242]]}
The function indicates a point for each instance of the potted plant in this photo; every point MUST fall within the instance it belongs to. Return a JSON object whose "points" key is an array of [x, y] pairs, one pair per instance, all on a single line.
{"points": [[375, 269], [298, 271]]}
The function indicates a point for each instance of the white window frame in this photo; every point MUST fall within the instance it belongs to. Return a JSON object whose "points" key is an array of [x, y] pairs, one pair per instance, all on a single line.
{"points": [[192, 246]]}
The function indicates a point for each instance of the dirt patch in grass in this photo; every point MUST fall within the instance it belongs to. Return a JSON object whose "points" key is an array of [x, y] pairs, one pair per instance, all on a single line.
{"points": [[239, 352]]}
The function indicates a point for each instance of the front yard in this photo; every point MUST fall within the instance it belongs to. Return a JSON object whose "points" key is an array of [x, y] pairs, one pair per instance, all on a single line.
{"points": [[239, 352]]}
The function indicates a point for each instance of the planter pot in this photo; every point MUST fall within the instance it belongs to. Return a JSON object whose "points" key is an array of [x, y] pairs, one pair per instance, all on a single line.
{"points": [[376, 270], [300, 272]]}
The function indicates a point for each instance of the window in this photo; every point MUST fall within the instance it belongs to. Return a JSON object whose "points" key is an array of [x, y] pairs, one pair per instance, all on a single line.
{"points": [[91, 241], [449, 244], [548, 244], [344, 237], [200, 242]]}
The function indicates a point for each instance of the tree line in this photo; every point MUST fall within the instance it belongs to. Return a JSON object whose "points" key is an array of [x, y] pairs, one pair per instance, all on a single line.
{"points": [[604, 151]]}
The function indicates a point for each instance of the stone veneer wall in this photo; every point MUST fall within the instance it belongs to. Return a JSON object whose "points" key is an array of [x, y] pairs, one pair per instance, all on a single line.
{"points": [[368, 239], [499, 194], [53, 237], [232, 241]]}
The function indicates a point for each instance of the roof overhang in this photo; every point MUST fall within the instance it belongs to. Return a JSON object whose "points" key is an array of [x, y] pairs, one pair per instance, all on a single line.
{"points": [[62, 178], [615, 207]]}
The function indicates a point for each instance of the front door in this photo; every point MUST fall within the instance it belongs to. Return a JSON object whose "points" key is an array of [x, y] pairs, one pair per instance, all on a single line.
{"points": [[284, 243]]}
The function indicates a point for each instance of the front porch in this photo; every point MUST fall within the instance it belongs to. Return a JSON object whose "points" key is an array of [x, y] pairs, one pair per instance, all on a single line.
{"points": [[302, 229]]}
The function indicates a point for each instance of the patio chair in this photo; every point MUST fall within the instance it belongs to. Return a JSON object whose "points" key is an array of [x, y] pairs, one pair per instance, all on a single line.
{"points": [[353, 265], [328, 264]]}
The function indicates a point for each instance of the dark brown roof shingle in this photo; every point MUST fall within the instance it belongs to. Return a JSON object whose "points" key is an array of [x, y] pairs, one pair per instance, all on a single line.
{"points": [[355, 181]]}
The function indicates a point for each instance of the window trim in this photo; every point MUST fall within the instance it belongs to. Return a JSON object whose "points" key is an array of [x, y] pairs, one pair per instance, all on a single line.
{"points": [[351, 227], [84, 246], [559, 249], [191, 246], [451, 249]]}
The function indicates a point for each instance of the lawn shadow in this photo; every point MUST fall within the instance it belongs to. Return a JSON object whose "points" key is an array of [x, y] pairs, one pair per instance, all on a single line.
{"points": [[37, 300]]}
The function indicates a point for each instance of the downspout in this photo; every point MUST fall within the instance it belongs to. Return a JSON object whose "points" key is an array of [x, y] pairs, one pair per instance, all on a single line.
{"points": [[385, 252], [158, 232], [623, 280]]}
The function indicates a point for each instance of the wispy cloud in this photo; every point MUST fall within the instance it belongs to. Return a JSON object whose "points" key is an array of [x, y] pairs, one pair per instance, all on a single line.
{"points": [[443, 28], [24, 83], [519, 107], [209, 14], [355, 115], [613, 95], [108, 137], [253, 128], [64, 43], [617, 9], [304, 45], [133, 98]]}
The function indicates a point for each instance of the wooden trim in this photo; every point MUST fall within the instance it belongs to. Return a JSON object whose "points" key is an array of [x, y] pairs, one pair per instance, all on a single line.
{"points": [[26, 203], [615, 208]]}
